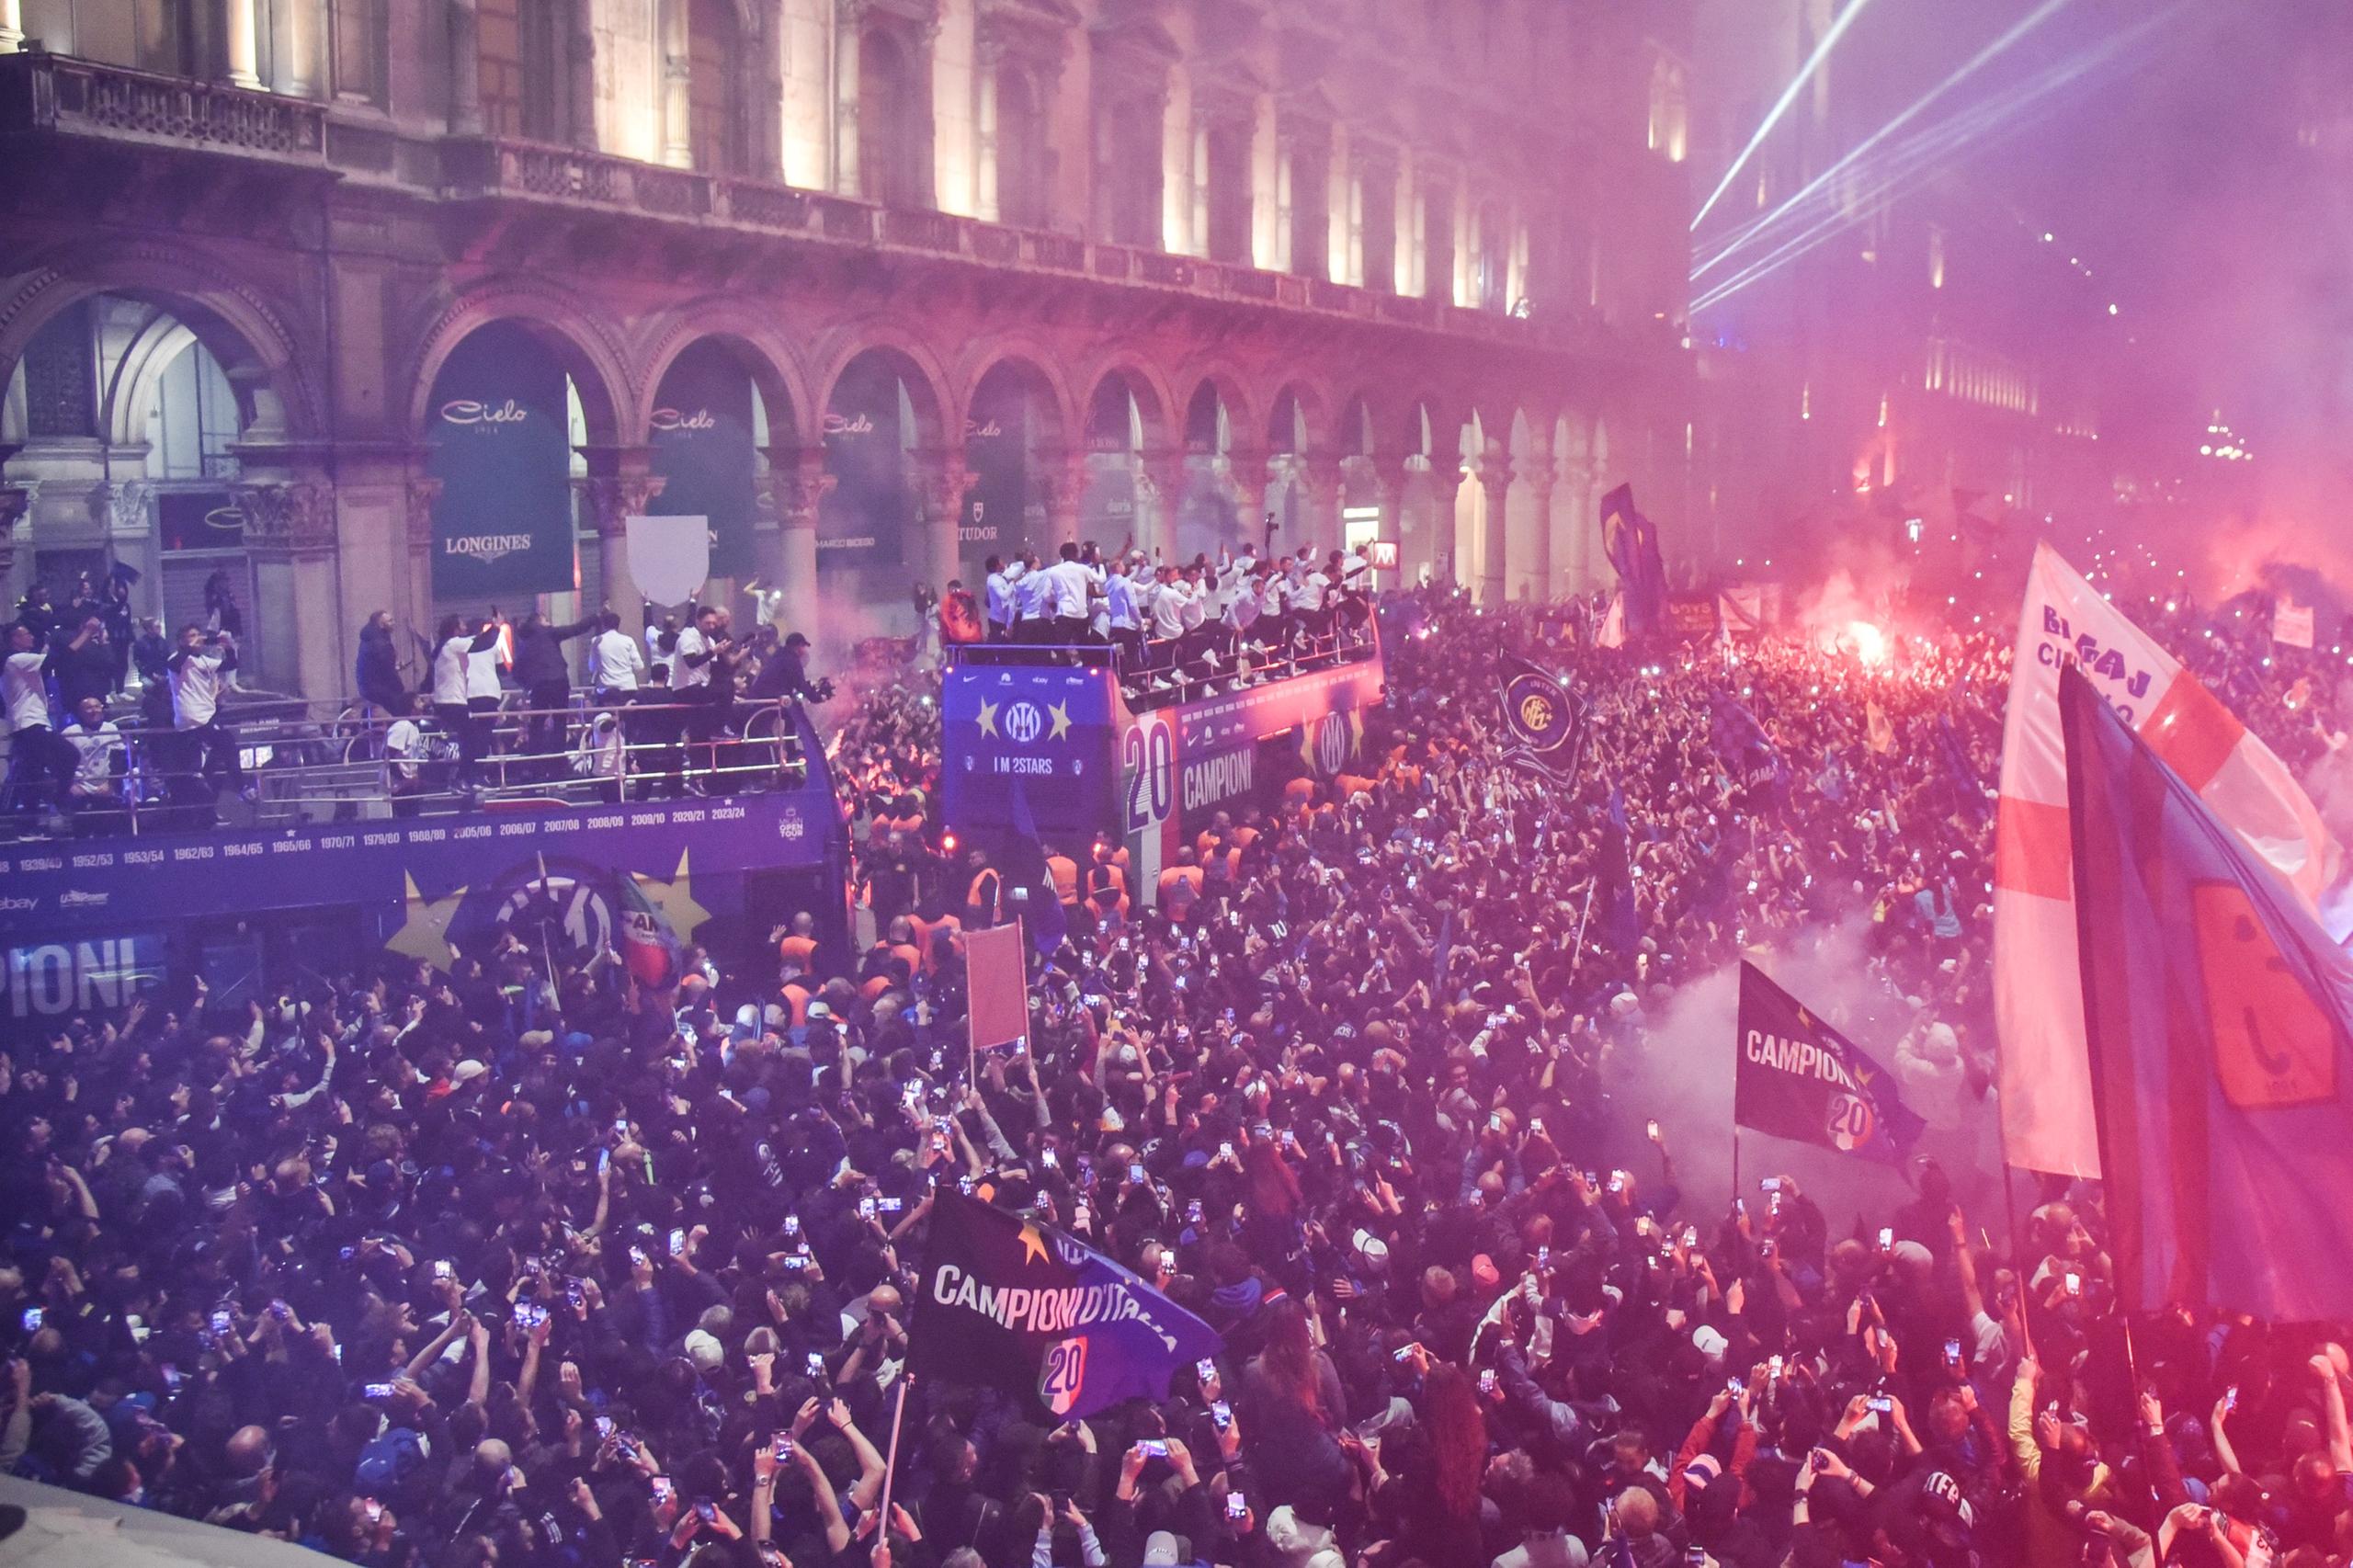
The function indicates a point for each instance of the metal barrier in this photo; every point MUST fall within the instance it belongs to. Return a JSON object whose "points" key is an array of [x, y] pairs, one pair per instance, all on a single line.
{"points": [[296, 762]]}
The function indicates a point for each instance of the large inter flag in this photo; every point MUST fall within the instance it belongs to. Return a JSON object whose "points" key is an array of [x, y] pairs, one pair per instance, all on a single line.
{"points": [[2217, 1013], [1018, 1303], [1797, 1077], [2047, 1122]]}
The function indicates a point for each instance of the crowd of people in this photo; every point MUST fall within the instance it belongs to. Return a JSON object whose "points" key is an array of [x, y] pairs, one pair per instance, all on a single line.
{"points": [[493, 1263], [102, 725]]}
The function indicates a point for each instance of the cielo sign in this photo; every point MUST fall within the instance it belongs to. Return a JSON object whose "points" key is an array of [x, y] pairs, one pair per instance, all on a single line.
{"points": [[667, 420], [467, 410]]}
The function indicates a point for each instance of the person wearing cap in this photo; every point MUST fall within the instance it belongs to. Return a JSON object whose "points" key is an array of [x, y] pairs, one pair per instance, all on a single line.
{"points": [[785, 673]]}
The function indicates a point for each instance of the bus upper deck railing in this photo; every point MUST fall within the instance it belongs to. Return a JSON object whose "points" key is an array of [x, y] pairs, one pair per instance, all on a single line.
{"points": [[1213, 660], [284, 762]]}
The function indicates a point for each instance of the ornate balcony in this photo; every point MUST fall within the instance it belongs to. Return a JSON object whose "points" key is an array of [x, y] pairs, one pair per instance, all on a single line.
{"points": [[41, 92], [507, 181]]}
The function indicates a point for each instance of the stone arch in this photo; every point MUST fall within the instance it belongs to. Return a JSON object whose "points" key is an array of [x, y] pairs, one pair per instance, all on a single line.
{"points": [[1154, 407], [1222, 386], [917, 366], [589, 351], [242, 329], [1038, 371], [773, 365], [1301, 405]]}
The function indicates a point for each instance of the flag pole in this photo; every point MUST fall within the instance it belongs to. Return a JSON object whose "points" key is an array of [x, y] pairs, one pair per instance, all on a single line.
{"points": [[890, 1462]]}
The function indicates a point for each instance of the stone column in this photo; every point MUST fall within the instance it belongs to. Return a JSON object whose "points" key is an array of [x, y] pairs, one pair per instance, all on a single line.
{"points": [[1538, 578], [290, 529], [417, 584], [797, 477], [677, 94], [1495, 478], [241, 38], [1162, 479], [1391, 475], [1577, 481], [943, 482], [1247, 470], [1447, 474], [465, 65], [1062, 478], [303, 29], [1325, 481], [12, 35], [848, 15], [620, 485]]}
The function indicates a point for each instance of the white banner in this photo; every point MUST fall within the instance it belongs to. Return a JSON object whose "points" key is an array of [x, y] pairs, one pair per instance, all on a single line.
{"points": [[669, 557], [2047, 1119], [2291, 625]]}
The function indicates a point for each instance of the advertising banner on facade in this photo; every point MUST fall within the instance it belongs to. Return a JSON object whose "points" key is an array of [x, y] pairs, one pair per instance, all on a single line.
{"points": [[701, 433], [996, 453], [863, 521], [500, 445]]}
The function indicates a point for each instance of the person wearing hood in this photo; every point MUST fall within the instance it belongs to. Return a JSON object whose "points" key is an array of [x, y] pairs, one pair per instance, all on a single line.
{"points": [[376, 672]]}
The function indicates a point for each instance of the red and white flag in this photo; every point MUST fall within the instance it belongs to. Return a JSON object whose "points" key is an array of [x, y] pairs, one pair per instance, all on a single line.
{"points": [[2047, 1114]]}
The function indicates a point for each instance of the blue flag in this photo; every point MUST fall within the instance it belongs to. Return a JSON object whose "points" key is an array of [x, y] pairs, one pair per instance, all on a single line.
{"points": [[1748, 753], [2220, 1022], [1015, 1303], [1794, 1076], [1622, 926], [1966, 785], [1630, 541], [1042, 913]]}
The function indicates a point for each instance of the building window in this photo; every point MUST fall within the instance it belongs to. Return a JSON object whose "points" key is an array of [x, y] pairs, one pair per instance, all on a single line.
{"points": [[1020, 150], [1378, 195], [1229, 182], [890, 143], [1670, 112], [1491, 284], [356, 47], [545, 48], [1128, 162], [1437, 242], [1311, 189]]}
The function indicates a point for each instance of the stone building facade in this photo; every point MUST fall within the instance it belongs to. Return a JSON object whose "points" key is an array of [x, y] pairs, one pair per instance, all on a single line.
{"points": [[1148, 269]]}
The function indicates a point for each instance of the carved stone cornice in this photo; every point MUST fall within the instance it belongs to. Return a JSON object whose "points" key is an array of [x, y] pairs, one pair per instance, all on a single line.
{"points": [[296, 516], [613, 499]]}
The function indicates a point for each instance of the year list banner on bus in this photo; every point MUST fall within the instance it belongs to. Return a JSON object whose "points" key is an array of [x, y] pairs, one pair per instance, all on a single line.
{"points": [[476, 869]]}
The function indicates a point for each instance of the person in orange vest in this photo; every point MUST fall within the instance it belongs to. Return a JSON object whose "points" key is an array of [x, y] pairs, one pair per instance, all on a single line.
{"points": [[984, 894], [1179, 885], [797, 946], [1065, 872], [1107, 884]]}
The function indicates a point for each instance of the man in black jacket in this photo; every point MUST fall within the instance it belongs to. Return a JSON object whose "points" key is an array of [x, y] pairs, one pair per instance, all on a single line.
{"points": [[376, 672], [546, 680]]}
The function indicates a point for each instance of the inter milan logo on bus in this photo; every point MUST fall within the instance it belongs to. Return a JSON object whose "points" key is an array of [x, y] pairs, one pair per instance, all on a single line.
{"points": [[1023, 722]]}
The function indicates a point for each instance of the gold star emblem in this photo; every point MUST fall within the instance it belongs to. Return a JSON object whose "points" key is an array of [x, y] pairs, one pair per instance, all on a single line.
{"points": [[1033, 1243], [988, 717], [424, 932], [675, 899], [1060, 712]]}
